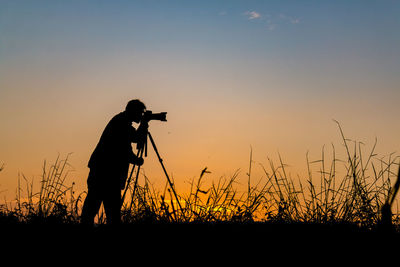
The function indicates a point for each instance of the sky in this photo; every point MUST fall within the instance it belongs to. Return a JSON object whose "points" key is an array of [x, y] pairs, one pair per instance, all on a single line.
{"points": [[270, 76]]}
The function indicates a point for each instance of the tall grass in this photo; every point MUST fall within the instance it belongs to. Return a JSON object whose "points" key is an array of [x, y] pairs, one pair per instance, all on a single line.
{"points": [[348, 190], [336, 189], [54, 202]]}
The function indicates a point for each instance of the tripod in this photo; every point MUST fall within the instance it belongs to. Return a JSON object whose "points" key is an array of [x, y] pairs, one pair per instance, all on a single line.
{"points": [[142, 147]]}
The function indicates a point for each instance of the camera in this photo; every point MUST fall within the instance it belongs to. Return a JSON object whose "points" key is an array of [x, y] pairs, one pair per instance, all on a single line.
{"points": [[149, 115]]}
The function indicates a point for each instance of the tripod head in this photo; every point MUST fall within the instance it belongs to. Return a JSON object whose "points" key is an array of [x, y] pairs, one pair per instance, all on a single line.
{"points": [[144, 126], [143, 132]]}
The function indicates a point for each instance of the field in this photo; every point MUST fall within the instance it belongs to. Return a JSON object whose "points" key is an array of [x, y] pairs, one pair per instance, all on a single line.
{"points": [[355, 206]]}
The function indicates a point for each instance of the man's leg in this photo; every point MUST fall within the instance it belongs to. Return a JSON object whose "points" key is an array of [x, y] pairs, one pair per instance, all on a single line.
{"points": [[90, 207], [112, 204]]}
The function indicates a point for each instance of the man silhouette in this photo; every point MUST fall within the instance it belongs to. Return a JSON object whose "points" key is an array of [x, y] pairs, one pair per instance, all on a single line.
{"points": [[109, 163]]}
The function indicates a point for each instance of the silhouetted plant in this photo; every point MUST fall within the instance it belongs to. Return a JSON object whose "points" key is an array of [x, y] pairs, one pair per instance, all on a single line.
{"points": [[54, 202]]}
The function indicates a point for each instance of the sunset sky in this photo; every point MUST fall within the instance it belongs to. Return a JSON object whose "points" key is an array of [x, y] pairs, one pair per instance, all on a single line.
{"points": [[271, 75]]}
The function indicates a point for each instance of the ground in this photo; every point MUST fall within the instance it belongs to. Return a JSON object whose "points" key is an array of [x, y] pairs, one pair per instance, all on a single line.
{"points": [[200, 243]]}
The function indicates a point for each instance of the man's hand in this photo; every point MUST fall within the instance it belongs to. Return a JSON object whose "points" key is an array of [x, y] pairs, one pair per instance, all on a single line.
{"points": [[139, 161]]}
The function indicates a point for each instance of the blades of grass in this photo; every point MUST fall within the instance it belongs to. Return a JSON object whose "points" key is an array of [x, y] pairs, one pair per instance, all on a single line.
{"points": [[249, 173]]}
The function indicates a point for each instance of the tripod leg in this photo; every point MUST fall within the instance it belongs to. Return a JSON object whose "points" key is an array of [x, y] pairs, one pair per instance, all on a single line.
{"points": [[139, 154], [136, 181], [134, 187], [165, 171]]}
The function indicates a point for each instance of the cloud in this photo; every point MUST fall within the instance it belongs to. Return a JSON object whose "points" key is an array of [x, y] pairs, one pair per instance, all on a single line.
{"points": [[252, 15], [272, 22], [288, 19]]}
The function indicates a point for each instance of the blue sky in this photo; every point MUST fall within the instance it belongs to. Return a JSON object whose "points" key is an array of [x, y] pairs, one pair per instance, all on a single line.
{"points": [[306, 38]]}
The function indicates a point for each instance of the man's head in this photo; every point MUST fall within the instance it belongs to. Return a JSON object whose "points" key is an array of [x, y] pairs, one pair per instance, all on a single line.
{"points": [[135, 109]]}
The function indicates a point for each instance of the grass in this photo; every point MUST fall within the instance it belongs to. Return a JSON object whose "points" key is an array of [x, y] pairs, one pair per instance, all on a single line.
{"points": [[53, 203], [348, 191]]}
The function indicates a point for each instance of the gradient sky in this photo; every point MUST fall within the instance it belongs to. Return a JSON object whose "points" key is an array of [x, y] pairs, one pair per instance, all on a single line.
{"points": [[231, 74]]}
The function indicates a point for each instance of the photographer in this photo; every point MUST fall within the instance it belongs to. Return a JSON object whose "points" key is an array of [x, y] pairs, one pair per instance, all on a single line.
{"points": [[109, 163]]}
